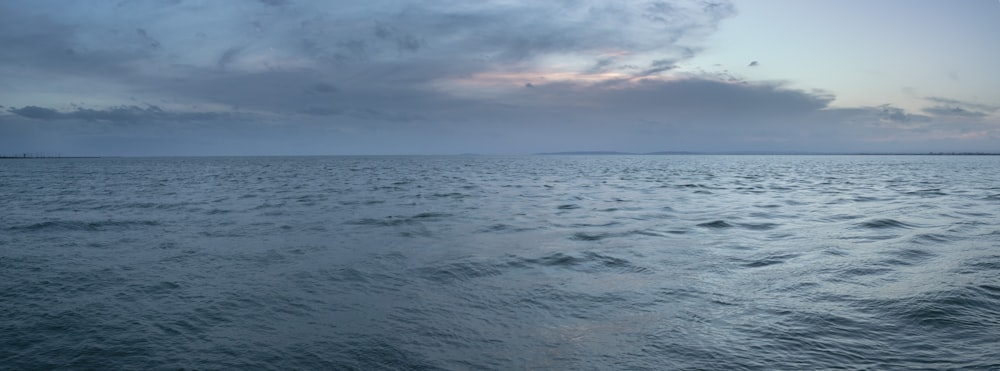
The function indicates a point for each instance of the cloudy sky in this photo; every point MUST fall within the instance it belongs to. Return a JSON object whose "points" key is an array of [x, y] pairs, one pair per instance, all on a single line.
{"points": [[290, 77]]}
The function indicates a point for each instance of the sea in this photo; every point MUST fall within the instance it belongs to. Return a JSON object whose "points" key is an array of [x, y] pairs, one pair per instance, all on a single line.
{"points": [[672, 262]]}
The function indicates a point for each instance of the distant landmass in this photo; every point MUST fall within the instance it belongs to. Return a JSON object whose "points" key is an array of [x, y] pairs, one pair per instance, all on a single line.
{"points": [[612, 153], [617, 153], [37, 155], [586, 153]]}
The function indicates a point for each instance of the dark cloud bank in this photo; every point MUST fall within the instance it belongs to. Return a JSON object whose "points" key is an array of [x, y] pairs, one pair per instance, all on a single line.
{"points": [[296, 77]]}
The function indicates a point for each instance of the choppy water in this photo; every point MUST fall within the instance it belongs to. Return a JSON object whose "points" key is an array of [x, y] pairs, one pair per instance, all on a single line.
{"points": [[589, 263]]}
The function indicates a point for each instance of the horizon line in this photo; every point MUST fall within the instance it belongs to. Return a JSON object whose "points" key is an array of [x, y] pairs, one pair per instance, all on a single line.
{"points": [[558, 153]]}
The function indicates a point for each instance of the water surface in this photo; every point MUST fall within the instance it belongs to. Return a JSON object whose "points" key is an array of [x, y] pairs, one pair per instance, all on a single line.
{"points": [[577, 262]]}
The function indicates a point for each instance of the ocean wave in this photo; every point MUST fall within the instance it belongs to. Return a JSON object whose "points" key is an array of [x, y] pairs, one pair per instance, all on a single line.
{"points": [[884, 224], [79, 225]]}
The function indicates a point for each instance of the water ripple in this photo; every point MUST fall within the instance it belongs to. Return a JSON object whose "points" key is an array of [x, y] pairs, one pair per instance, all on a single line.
{"points": [[479, 262]]}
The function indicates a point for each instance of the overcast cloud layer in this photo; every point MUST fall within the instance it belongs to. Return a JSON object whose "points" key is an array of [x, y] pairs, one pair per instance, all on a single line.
{"points": [[175, 77]]}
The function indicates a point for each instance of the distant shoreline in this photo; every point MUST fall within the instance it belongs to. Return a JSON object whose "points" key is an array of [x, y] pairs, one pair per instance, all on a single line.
{"points": [[612, 153], [570, 153], [29, 157]]}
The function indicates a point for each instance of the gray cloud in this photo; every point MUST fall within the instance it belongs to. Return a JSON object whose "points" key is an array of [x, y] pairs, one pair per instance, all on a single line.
{"points": [[485, 37], [274, 2], [35, 42], [149, 40], [696, 97], [322, 88], [953, 111], [889, 113], [601, 65], [386, 43], [34, 112], [322, 111], [404, 42], [391, 77], [228, 56], [983, 107], [117, 115], [956, 108], [657, 66]]}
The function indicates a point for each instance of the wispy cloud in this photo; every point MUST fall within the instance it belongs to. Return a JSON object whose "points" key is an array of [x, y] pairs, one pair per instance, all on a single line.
{"points": [[955, 108], [888, 113], [117, 115]]}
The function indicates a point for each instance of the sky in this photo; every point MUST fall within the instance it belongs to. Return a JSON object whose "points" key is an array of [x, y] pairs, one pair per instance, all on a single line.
{"points": [[321, 77]]}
